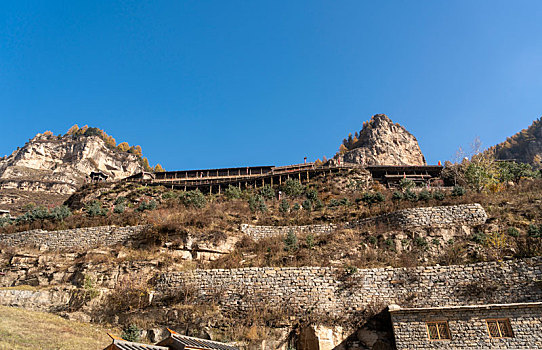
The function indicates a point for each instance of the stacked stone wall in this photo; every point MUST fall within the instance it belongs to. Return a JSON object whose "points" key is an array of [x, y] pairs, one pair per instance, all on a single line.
{"points": [[468, 328], [340, 291], [442, 216], [79, 238]]}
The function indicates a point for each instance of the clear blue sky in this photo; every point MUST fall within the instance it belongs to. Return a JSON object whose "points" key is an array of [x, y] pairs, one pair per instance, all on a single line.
{"points": [[231, 83]]}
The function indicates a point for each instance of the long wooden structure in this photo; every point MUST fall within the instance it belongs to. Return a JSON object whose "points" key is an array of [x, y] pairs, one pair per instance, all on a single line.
{"points": [[216, 180]]}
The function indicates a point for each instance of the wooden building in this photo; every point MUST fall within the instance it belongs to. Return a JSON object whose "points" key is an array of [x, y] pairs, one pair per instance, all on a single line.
{"points": [[391, 175], [121, 344], [176, 341]]}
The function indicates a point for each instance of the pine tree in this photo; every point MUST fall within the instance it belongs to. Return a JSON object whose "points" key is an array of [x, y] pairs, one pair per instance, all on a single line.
{"points": [[158, 168]]}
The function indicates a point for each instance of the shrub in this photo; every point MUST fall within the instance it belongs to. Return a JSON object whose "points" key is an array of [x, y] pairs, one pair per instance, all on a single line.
{"points": [[233, 192], [40, 213], [293, 188], [95, 209], [312, 194], [318, 204], [257, 203], [406, 184], [344, 202], [334, 203], [119, 208], [411, 196], [397, 196], [307, 205], [421, 242], [4, 221], [373, 240], [458, 191], [122, 200], [438, 195], [296, 206], [479, 237], [349, 270], [60, 213], [290, 242], [379, 197], [150, 205], [284, 206], [131, 333], [513, 232], [194, 199], [424, 195], [534, 230], [169, 195], [267, 192], [310, 241]]}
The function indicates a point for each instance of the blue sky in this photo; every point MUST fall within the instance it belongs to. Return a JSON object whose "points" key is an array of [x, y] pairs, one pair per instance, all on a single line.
{"points": [[232, 83]]}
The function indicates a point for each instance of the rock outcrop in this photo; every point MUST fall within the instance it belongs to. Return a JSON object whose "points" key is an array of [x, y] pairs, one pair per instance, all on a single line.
{"points": [[382, 142], [59, 165], [523, 147]]}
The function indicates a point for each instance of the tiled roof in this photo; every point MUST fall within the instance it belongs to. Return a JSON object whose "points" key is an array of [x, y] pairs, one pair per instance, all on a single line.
{"points": [[196, 343], [127, 345]]}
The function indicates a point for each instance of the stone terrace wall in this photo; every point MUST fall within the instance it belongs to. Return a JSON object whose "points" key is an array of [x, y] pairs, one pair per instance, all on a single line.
{"points": [[465, 214], [259, 232], [468, 327], [334, 291], [79, 238]]}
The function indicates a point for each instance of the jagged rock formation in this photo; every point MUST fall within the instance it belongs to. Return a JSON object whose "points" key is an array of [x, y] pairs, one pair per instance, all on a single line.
{"points": [[59, 165], [382, 142], [523, 147]]}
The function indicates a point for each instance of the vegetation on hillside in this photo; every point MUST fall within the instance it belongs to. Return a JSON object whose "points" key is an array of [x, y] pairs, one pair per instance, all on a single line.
{"points": [[525, 146], [112, 144], [23, 329]]}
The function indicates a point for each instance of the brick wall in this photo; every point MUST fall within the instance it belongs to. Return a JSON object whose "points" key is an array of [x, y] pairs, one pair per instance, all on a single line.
{"points": [[468, 328]]}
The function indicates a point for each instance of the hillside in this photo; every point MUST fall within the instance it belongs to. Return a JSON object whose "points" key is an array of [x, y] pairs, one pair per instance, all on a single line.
{"points": [[382, 142], [524, 147]]}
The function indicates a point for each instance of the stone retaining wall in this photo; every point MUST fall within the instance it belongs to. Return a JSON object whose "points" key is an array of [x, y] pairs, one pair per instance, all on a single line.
{"points": [[465, 214], [339, 291], [79, 238]]}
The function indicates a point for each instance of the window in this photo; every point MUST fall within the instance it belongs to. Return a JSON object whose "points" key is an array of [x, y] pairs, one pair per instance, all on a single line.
{"points": [[438, 330], [499, 328]]}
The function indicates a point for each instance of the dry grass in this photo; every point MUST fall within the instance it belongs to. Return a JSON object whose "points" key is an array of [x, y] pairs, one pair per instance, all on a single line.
{"points": [[24, 329]]}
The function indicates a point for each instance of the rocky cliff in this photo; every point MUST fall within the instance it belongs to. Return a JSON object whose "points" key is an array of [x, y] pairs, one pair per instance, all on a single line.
{"points": [[523, 147], [382, 142], [59, 165]]}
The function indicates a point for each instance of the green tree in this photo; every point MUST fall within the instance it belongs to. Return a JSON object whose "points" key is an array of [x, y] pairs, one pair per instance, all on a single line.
{"points": [[267, 192], [194, 199], [131, 333], [290, 242], [293, 188], [284, 206], [232, 192]]}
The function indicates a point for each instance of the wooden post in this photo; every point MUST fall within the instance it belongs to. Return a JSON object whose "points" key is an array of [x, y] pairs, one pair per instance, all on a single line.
{"points": [[210, 189], [219, 189], [271, 180]]}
